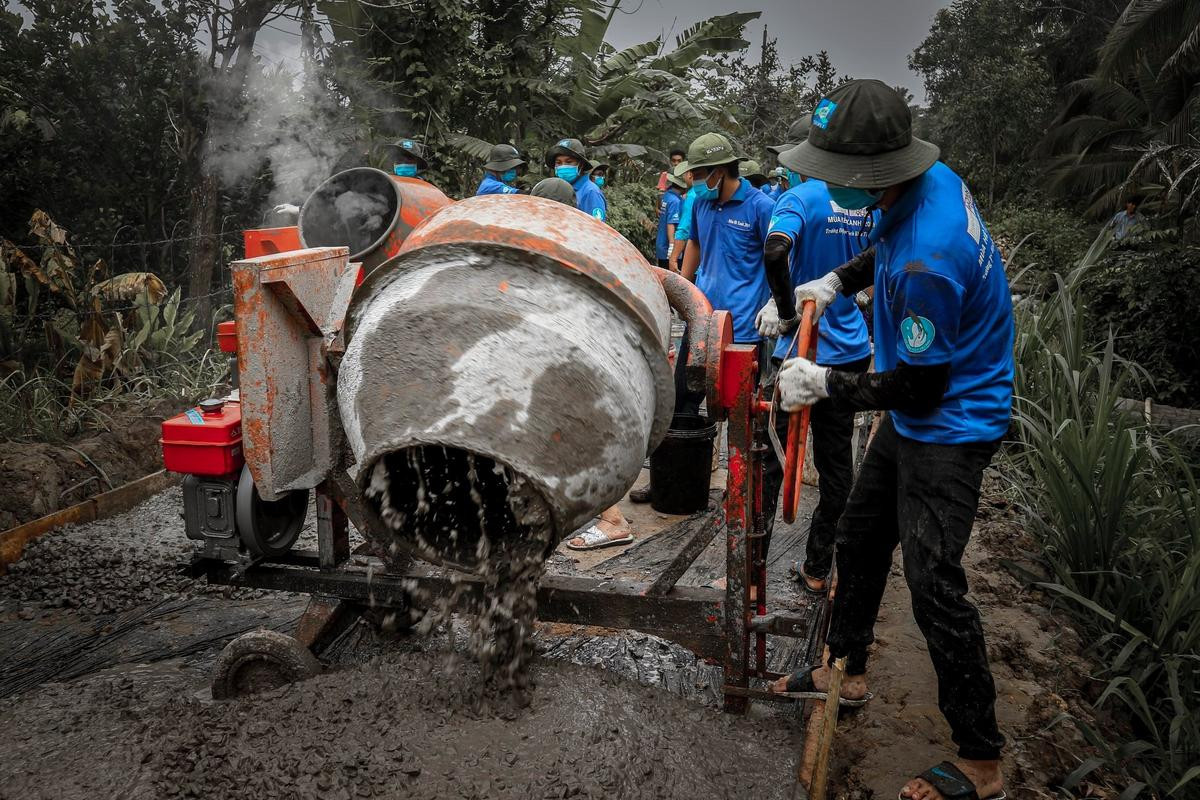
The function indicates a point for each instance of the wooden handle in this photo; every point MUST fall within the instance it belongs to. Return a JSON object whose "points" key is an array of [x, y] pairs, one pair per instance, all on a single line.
{"points": [[797, 439]]}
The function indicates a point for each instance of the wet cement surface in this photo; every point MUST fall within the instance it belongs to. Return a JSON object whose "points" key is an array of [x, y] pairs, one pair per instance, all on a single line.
{"points": [[100, 704]]}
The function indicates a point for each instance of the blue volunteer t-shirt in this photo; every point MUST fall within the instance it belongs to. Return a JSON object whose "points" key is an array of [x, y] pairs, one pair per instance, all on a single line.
{"points": [[668, 214], [941, 296], [589, 199], [683, 230], [731, 237], [490, 185], [824, 236]]}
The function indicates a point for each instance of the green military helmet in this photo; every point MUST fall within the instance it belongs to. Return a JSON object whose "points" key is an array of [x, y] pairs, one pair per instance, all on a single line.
{"points": [[413, 149], [751, 169], [568, 147], [797, 132], [555, 189], [861, 137], [711, 150], [503, 157]]}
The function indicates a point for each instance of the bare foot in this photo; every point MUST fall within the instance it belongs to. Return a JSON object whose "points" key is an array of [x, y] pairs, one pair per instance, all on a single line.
{"points": [[984, 774], [854, 687]]}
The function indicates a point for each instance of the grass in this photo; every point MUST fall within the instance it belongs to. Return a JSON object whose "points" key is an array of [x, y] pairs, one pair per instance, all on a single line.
{"points": [[1114, 505], [38, 405]]}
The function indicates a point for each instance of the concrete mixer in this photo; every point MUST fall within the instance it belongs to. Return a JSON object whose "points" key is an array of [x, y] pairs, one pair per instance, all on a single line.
{"points": [[498, 378]]}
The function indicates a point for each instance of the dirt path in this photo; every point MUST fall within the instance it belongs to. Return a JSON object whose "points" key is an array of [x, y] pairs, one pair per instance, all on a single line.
{"points": [[1035, 661], [613, 715]]}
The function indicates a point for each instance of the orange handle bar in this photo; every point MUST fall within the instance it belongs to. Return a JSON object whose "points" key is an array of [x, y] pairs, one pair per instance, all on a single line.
{"points": [[797, 439]]}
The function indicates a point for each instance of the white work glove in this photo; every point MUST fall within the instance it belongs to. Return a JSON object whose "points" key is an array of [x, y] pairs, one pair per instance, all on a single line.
{"points": [[823, 291], [286, 208], [768, 322], [801, 383], [863, 299]]}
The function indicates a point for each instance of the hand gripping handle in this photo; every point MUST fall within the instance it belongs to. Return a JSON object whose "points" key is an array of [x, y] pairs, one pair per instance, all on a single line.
{"points": [[797, 439]]}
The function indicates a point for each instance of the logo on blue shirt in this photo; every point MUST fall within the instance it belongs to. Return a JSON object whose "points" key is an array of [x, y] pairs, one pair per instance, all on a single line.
{"points": [[918, 333], [823, 113]]}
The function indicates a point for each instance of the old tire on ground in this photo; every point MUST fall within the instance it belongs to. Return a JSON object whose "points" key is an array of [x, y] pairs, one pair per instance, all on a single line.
{"points": [[259, 661], [268, 528]]}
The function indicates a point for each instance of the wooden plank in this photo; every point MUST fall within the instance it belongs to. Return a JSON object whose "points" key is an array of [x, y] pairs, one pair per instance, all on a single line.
{"points": [[691, 550], [106, 504]]}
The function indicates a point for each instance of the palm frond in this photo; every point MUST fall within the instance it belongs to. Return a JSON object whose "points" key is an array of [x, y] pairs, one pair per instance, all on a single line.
{"points": [[629, 58], [1145, 26]]}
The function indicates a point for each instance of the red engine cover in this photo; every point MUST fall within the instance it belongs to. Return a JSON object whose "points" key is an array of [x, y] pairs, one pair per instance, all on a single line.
{"points": [[204, 441]]}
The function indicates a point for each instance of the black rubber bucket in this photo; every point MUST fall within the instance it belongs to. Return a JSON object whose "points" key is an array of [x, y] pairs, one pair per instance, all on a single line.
{"points": [[681, 467]]}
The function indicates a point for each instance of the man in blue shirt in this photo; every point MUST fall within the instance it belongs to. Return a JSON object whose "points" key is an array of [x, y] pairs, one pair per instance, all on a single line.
{"points": [[812, 234], [683, 229], [729, 226], [944, 355], [669, 210], [500, 171], [568, 160]]}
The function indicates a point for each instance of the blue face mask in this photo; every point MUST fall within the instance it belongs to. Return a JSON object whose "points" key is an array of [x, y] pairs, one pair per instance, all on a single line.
{"points": [[599, 180], [795, 180], [854, 198], [705, 192], [405, 170], [567, 173], [508, 177]]}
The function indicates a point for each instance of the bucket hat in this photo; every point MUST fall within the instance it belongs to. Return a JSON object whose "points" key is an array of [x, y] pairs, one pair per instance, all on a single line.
{"points": [[503, 157], [412, 148], [751, 169], [568, 147], [710, 150], [555, 189], [797, 132], [861, 136]]}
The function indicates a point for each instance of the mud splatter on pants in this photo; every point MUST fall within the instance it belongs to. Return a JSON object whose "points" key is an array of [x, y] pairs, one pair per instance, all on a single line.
{"points": [[924, 498]]}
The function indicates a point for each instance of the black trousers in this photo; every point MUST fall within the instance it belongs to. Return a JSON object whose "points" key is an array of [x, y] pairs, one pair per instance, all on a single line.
{"points": [[923, 497], [832, 435]]}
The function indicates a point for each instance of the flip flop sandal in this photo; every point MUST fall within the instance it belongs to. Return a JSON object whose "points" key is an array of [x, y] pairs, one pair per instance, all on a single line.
{"points": [[800, 686], [805, 578], [596, 539], [950, 781]]}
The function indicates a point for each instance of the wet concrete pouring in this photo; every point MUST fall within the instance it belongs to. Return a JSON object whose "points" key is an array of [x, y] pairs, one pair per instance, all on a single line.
{"points": [[105, 652]]}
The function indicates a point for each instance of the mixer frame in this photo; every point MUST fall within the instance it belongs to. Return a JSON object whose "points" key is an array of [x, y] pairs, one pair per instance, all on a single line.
{"points": [[726, 626]]}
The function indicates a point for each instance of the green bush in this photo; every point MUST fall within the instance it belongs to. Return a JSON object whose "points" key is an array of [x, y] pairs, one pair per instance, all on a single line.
{"points": [[1116, 509], [1149, 297], [1048, 237], [631, 208]]}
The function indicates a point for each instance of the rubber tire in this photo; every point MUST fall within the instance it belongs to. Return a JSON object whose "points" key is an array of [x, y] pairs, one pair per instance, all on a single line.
{"points": [[260, 661], [248, 501]]}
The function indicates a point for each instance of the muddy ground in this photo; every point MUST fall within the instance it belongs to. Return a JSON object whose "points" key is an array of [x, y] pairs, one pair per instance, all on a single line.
{"points": [[105, 651], [39, 478]]}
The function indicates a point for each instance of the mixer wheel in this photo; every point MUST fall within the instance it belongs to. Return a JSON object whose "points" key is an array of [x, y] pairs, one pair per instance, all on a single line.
{"points": [[259, 661], [268, 528]]}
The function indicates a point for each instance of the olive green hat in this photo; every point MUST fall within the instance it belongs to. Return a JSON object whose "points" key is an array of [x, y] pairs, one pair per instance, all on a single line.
{"points": [[681, 169], [411, 148], [676, 178], [503, 157], [861, 137], [751, 169], [710, 150], [555, 189], [568, 147], [797, 132]]}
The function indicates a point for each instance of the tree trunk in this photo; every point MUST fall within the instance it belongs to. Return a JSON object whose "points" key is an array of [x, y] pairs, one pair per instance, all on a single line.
{"points": [[205, 246]]}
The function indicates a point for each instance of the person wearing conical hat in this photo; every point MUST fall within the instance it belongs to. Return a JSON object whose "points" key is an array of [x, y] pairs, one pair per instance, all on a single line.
{"points": [[944, 359]]}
